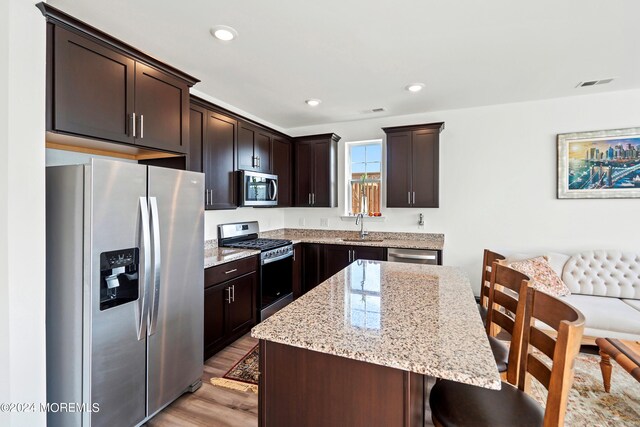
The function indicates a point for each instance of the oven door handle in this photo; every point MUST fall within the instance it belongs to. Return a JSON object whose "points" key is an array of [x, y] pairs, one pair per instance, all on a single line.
{"points": [[270, 260]]}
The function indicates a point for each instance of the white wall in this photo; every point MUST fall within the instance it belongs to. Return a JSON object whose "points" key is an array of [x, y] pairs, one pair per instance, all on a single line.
{"points": [[5, 389], [269, 219], [22, 214], [498, 180]]}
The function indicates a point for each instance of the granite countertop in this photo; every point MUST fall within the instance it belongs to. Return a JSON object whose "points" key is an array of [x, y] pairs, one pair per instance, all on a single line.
{"points": [[215, 256], [417, 318], [432, 241]]}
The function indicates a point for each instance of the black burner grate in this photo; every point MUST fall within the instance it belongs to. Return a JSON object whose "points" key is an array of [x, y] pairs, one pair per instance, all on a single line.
{"points": [[259, 244]]}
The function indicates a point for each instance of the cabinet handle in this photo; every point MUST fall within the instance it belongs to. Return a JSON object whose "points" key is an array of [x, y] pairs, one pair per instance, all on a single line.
{"points": [[141, 126], [313, 197], [414, 197], [408, 197], [349, 255], [231, 271], [229, 295], [233, 293], [309, 199], [258, 161], [133, 125], [354, 255], [206, 197]]}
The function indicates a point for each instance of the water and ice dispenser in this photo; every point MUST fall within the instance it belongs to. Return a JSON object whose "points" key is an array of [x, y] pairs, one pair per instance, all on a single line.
{"points": [[118, 277]]}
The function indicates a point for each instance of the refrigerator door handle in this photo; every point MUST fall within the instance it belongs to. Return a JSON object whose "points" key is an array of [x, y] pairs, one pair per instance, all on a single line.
{"points": [[157, 265], [145, 270]]}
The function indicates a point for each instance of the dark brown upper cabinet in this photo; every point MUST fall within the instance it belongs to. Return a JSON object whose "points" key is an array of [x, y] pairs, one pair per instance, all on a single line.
{"points": [[103, 89], [413, 166], [162, 110], [254, 148], [316, 171], [92, 87], [282, 162], [212, 148]]}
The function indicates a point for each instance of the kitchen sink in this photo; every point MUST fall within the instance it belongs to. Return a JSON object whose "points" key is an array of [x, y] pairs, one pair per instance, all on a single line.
{"points": [[362, 240]]}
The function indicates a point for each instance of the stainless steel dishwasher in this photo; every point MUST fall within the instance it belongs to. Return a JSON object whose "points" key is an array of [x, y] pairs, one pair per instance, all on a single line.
{"points": [[413, 256]]}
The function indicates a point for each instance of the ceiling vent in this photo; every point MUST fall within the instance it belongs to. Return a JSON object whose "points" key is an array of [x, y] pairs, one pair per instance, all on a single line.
{"points": [[595, 82], [375, 110]]}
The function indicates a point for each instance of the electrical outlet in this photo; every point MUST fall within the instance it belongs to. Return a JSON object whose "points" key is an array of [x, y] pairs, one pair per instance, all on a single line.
{"points": [[302, 222], [324, 222]]}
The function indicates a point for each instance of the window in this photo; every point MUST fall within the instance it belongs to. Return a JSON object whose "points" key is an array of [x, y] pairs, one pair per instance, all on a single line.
{"points": [[363, 178]]}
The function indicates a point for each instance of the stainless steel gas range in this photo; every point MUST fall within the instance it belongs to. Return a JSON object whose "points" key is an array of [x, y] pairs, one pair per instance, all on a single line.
{"points": [[276, 260]]}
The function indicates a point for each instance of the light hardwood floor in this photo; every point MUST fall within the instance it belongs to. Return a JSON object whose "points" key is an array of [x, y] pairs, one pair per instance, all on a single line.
{"points": [[213, 406]]}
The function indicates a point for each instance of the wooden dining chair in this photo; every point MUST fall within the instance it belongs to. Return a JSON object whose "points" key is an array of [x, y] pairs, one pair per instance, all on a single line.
{"points": [[504, 291], [488, 259], [456, 404]]}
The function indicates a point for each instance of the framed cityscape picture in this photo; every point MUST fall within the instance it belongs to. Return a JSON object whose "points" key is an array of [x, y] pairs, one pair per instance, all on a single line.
{"points": [[602, 164]]}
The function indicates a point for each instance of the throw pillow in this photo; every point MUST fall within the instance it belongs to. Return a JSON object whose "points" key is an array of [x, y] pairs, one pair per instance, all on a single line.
{"points": [[543, 278]]}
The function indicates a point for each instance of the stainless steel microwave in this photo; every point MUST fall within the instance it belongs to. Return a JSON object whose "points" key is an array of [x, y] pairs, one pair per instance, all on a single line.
{"points": [[258, 189]]}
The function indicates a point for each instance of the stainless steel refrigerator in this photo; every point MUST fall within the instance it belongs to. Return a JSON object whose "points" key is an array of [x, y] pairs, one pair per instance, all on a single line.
{"points": [[125, 254]]}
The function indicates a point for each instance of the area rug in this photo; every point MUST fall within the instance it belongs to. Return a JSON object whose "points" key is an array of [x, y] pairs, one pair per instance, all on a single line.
{"points": [[589, 404], [243, 376]]}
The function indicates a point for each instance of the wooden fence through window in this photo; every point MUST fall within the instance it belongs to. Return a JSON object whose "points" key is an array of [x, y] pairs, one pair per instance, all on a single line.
{"points": [[372, 192]]}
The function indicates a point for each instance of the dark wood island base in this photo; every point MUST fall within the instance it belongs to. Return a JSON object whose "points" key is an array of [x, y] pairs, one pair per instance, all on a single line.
{"points": [[301, 387]]}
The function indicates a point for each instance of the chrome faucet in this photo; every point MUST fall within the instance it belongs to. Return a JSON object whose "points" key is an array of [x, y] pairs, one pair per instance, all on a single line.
{"points": [[360, 219]]}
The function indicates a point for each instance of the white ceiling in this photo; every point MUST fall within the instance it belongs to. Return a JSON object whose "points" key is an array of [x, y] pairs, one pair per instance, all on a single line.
{"points": [[359, 54]]}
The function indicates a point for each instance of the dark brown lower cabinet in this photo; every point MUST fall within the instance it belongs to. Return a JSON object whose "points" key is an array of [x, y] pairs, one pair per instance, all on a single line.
{"points": [[320, 261], [242, 308], [229, 306], [214, 319], [300, 387], [311, 267], [337, 257]]}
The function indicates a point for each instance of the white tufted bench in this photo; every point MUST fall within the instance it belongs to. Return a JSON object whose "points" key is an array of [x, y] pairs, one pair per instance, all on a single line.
{"points": [[605, 287]]}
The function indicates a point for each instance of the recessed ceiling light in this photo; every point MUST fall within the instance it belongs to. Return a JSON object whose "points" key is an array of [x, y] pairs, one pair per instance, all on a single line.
{"points": [[313, 102], [415, 87], [224, 33]]}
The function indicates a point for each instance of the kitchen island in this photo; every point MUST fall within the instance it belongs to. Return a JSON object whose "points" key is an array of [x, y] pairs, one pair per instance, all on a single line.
{"points": [[356, 349]]}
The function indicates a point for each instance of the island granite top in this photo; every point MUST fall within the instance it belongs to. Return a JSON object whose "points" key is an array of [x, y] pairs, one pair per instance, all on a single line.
{"points": [[417, 318]]}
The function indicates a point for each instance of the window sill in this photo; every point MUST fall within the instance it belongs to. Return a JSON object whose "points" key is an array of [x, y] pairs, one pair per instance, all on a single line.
{"points": [[347, 218]]}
